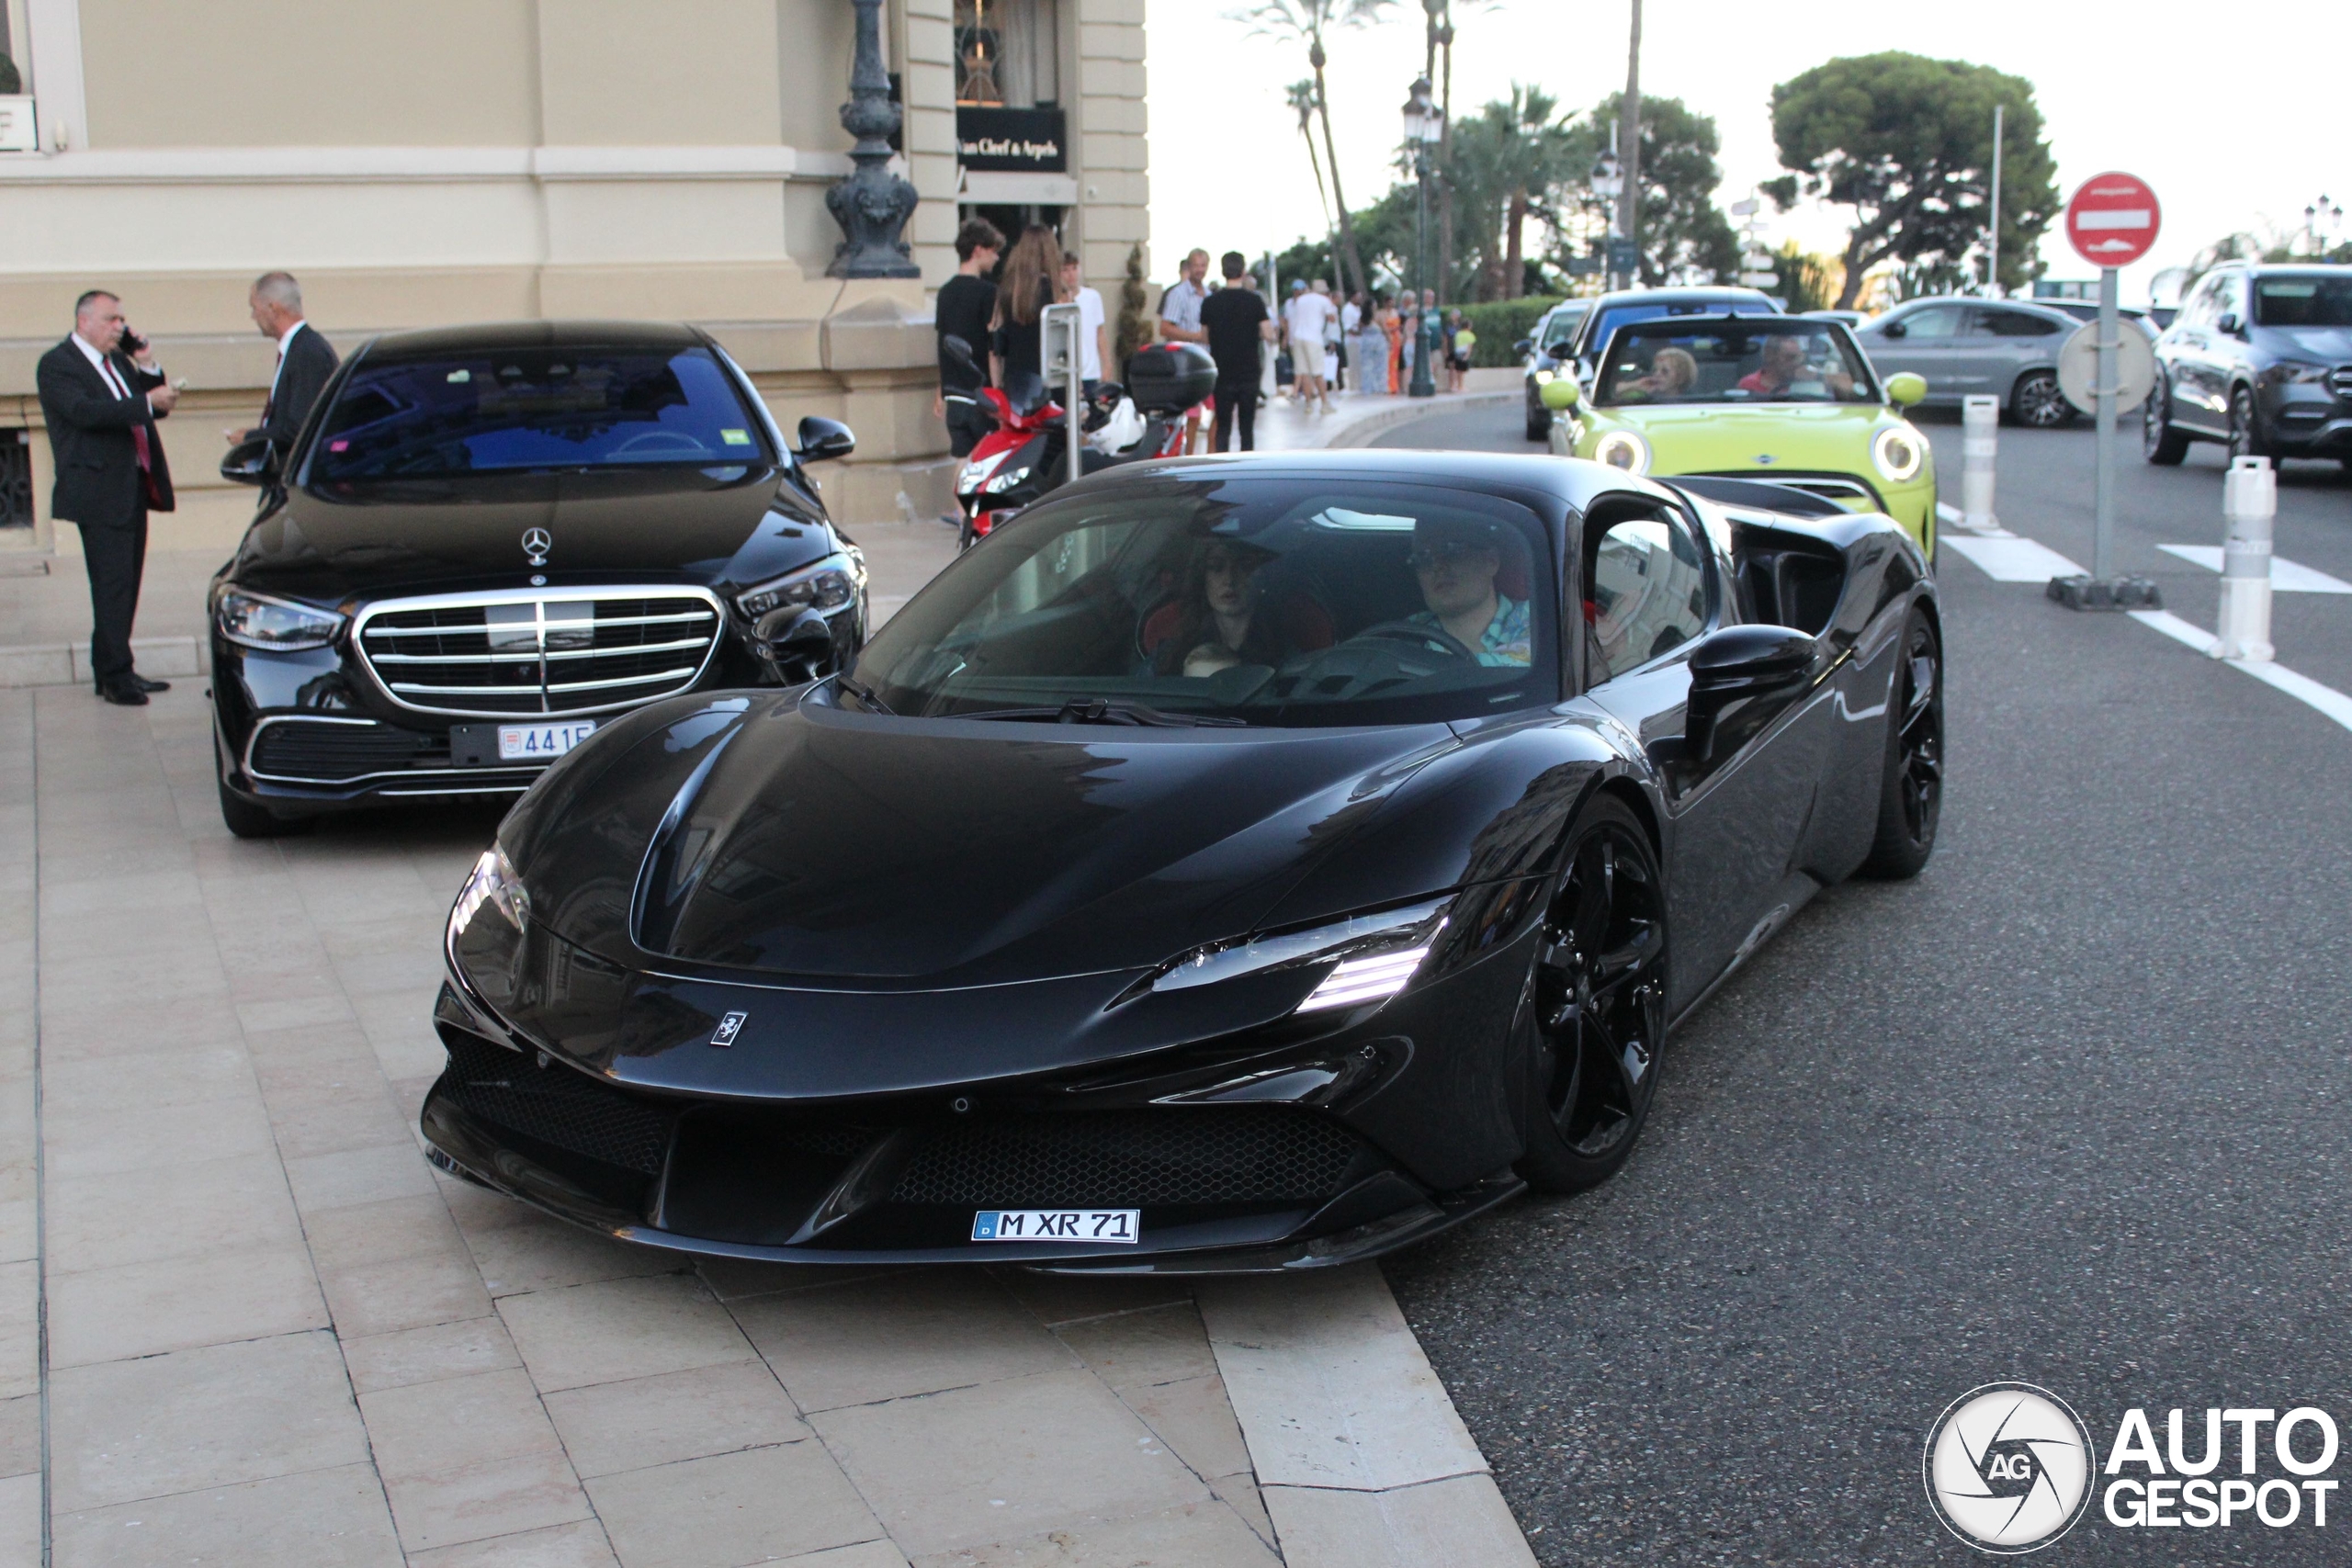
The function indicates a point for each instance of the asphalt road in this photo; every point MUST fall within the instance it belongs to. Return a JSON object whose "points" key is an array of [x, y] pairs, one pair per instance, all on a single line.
{"points": [[2071, 1108]]}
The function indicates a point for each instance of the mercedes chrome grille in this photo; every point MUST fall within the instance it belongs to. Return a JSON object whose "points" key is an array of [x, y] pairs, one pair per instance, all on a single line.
{"points": [[539, 652]]}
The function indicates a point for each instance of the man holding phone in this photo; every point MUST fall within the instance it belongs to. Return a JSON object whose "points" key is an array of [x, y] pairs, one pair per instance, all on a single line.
{"points": [[101, 393]]}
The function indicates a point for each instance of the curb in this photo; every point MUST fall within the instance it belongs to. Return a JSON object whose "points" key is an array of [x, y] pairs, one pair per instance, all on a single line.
{"points": [[1361, 432], [68, 664]]}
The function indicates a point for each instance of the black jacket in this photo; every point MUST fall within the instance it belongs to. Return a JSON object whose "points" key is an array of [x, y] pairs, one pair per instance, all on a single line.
{"points": [[310, 360], [89, 436]]}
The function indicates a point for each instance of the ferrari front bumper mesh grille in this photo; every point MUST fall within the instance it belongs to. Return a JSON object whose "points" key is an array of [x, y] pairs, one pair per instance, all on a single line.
{"points": [[555, 1105], [1204, 1155]]}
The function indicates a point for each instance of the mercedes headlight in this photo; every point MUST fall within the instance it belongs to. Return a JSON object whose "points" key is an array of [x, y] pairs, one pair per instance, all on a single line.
{"points": [[1372, 957], [974, 474], [2288, 371], [278, 626], [1898, 453], [828, 585], [1622, 449]]}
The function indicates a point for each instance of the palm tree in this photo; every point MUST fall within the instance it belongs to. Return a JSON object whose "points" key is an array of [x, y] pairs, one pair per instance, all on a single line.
{"points": [[1306, 22], [1303, 101]]}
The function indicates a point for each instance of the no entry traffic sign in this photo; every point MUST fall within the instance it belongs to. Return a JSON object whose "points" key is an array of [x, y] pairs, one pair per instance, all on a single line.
{"points": [[2112, 219]]}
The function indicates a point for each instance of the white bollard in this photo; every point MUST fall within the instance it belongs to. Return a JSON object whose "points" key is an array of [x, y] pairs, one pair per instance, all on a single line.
{"points": [[2249, 500], [1980, 420]]}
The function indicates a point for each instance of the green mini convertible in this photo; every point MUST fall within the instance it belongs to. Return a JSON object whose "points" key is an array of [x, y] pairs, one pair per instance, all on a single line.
{"points": [[1787, 399]]}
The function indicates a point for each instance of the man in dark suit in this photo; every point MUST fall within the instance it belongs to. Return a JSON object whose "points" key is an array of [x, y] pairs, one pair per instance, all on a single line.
{"points": [[101, 405], [305, 361]]}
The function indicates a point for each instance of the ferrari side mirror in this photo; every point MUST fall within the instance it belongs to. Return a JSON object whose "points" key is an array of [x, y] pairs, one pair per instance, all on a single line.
{"points": [[793, 643], [1737, 664]]}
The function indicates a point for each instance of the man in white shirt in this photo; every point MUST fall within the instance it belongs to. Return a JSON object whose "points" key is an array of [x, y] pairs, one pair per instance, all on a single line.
{"points": [[1350, 327], [1304, 317], [1094, 341], [1180, 308]]}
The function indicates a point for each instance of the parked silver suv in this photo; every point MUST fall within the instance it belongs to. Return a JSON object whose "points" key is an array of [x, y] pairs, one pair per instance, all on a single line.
{"points": [[2007, 348]]}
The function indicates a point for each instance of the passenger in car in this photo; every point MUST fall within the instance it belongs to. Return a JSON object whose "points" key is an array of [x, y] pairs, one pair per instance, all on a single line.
{"points": [[1217, 621], [1457, 560]]}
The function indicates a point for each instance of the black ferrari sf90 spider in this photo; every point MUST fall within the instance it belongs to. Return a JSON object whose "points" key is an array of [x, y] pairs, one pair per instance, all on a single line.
{"points": [[1240, 864]]}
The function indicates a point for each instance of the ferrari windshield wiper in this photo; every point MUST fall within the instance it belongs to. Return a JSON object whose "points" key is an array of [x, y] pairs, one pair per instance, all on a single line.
{"points": [[1101, 710], [863, 693]]}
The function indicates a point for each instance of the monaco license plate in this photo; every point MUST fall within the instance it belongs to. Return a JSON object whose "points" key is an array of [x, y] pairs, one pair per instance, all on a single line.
{"points": [[541, 742], [1118, 1227]]}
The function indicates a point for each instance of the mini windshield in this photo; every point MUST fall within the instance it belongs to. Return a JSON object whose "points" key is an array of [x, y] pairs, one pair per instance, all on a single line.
{"points": [[1262, 601], [2315, 301], [1783, 360], [1618, 316], [535, 408]]}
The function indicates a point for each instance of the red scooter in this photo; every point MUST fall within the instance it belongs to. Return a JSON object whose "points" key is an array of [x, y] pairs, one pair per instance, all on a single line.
{"points": [[1028, 452]]}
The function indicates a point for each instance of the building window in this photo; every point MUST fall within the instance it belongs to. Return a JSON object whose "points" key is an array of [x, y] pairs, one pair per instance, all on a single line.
{"points": [[16, 479], [1007, 54]]}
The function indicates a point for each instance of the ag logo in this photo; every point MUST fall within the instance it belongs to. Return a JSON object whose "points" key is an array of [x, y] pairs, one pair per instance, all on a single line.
{"points": [[2009, 1468], [536, 543], [728, 1027]]}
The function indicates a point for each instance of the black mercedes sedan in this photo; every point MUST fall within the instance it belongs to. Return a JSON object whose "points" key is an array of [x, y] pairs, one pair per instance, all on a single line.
{"points": [[487, 542], [1237, 864]]}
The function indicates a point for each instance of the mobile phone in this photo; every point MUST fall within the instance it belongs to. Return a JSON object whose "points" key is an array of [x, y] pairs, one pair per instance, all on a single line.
{"points": [[133, 344]]}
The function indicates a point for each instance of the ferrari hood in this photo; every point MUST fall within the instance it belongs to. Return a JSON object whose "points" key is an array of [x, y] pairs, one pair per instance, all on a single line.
{"points": [[1688, 437], [817, 842]]}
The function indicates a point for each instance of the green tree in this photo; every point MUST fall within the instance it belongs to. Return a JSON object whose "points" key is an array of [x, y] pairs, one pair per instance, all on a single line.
{"points": [[1683, 232], [1513, 161], [1307, 22], [1906, 142], [1808, 281]]}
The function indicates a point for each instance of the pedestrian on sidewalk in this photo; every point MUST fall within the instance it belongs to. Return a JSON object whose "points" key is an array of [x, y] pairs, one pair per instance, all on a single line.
{"points": [[1094, 341], [1460, 344], [1304, 317], [966, 303], [1335, 337], [1017, 325], [1180, 308], [101, 393], [1393, 321], [1237, 326], [305, 361]]}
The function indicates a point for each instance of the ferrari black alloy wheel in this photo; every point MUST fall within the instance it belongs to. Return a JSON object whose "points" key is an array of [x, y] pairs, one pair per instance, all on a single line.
{"points": [[1599, 1002], [2037, 401], [1912, 798], [2159, 442]]}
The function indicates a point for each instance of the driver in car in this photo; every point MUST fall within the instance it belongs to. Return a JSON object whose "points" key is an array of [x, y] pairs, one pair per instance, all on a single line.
{"points": [[1457, 560], [1787, 369]]}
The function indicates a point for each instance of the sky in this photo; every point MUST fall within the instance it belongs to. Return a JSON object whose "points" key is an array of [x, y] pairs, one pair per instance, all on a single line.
{"points": [[2234, 133]]}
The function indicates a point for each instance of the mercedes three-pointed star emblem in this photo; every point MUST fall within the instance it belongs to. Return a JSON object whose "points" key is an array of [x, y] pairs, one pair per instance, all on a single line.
{"points": [[536, 543]]}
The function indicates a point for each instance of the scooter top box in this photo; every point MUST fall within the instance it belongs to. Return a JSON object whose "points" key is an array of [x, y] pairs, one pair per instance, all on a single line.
{"points": [[1169, 378]]}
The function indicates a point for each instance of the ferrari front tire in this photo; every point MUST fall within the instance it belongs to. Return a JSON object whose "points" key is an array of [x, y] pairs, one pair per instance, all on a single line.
{"points": [[1911, 790], [1596, 1003]]}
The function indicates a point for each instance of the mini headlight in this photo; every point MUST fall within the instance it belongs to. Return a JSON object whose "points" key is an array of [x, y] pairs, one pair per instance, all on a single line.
{"points": [[1374, 956], [828, 585], [1622, 449], [494, 885], [1898, 453], [256, 620], [1006, 481]]}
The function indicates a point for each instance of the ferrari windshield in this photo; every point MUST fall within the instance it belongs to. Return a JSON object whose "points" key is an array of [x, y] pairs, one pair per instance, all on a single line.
{"points": [[1193, 598], [535, 408], [1729, 360]]}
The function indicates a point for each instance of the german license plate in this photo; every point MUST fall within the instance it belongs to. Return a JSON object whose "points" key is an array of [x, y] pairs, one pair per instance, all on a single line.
{"points": [[541, 742], [1117, 1227]]}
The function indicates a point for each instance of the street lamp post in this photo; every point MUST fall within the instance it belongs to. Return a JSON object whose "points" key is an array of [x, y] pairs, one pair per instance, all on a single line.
{"points": [[1606, 182], [1424, 125], [873, 205], [2321, 221]]}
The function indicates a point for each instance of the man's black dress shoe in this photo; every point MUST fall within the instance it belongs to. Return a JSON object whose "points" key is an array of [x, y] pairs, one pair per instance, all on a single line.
{"points": [[144, 684], [123, 693]]}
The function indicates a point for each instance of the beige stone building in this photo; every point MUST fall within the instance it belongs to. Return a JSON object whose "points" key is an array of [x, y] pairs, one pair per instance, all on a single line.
{"points": [[429, 162]]}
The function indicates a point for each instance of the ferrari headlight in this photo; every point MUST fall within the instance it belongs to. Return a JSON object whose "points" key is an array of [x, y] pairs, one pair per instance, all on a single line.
{"points": [[256, 620], [974, 474], [1006, 481], [828, 585], [1622, 449], [492, 885], [1898, 453], [1373, 957]]}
